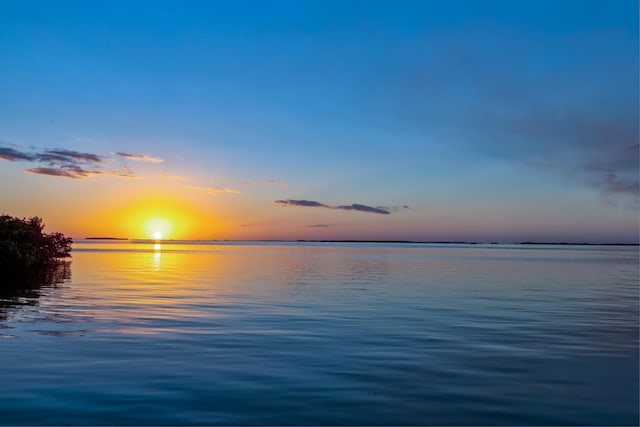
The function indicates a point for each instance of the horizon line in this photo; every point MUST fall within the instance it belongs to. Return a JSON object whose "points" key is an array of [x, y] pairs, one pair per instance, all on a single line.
{"points": [[433, 242]]}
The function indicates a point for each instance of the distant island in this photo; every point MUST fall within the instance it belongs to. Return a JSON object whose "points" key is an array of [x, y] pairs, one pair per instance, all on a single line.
{"points": [[579, 244], [106, 238], [465, 243]]}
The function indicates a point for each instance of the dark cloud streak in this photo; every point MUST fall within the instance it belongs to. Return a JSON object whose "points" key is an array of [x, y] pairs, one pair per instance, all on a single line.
{"points": [[313, 204], [306, 203], [75, 155], [363, 208], [75, 172], [12, 155], [63, 163]]}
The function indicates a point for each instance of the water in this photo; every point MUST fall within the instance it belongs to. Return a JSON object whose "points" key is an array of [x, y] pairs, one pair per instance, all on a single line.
{"points": [[329, 334]]}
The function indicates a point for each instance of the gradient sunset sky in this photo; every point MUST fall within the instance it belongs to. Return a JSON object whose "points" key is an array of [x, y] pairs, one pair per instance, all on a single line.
{"points": [[407, 120]]}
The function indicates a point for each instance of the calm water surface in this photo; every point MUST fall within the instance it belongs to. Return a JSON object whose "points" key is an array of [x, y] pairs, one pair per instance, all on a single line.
{"points": [[246, 334]]}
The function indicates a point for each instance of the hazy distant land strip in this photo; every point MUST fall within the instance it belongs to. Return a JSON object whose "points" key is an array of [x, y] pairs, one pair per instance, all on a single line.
{"points": [[378, 241]]}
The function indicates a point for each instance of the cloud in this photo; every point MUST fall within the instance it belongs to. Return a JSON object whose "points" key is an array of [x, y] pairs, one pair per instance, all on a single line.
{"points": [[570, 120], [616, 172], [12, 155], [69, 173], [318, 225], [51, 156], [139, 157], [75, 172], [313, 204], [362, 208], [592, 144], [393, 208], [307, 203], [212, 190], [64, 163], [600, 152], [66, 156]]}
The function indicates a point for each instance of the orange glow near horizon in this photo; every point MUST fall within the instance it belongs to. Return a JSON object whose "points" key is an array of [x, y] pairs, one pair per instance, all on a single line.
{"points": [[157, 217]]}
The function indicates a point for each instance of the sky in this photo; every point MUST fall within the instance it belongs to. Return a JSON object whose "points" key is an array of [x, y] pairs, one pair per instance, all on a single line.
{"points": [[431, 120]]}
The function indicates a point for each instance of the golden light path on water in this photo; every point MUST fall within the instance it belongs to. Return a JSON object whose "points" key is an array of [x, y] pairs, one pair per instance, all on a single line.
{"points": [[143, 282]]}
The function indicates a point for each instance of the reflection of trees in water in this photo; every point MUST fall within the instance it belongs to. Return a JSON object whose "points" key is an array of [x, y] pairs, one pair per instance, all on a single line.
{"points": [[24, 290]]}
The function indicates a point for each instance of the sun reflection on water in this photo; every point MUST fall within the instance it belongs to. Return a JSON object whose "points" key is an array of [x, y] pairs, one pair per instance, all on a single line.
{"points": [[156, 257]]}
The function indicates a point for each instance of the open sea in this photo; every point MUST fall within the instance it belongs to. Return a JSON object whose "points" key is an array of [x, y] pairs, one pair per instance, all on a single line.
{"points": [[251, 333]]}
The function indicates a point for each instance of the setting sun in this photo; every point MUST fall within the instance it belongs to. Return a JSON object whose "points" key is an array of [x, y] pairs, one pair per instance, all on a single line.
{"points": [[168, 214], [158, 228]]}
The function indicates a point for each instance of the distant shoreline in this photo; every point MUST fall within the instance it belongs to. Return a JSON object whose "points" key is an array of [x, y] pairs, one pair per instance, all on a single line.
{"points": [[468, 243], [105, 238], [374, 241]]}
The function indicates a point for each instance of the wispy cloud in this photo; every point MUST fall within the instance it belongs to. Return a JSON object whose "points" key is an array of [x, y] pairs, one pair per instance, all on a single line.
{"points": [[174, 177], [139, 157], [212, 190], [362, 208], [313, 204], [318, 225], [65, 163], [68, 156], [603, 154], [616, 172], [393, 208], [546, 121], [75, 172], [307, 203], [12, 155]]}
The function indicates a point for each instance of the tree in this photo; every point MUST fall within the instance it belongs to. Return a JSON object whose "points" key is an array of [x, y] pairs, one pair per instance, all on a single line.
{"points": [[25, 250]]}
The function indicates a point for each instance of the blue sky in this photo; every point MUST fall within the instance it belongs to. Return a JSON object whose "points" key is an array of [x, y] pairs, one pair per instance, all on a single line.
{"points": [[465, 120]]}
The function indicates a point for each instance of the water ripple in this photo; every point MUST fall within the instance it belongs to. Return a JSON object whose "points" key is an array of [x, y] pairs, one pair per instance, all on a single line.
{"points": [[326, 334]]}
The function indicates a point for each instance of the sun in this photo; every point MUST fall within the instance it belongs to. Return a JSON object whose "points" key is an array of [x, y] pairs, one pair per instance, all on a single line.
{"points": [[158, 228]]}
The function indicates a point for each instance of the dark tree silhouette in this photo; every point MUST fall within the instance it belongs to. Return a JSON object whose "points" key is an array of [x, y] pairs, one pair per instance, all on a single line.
{"points": [[26, 252]]}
